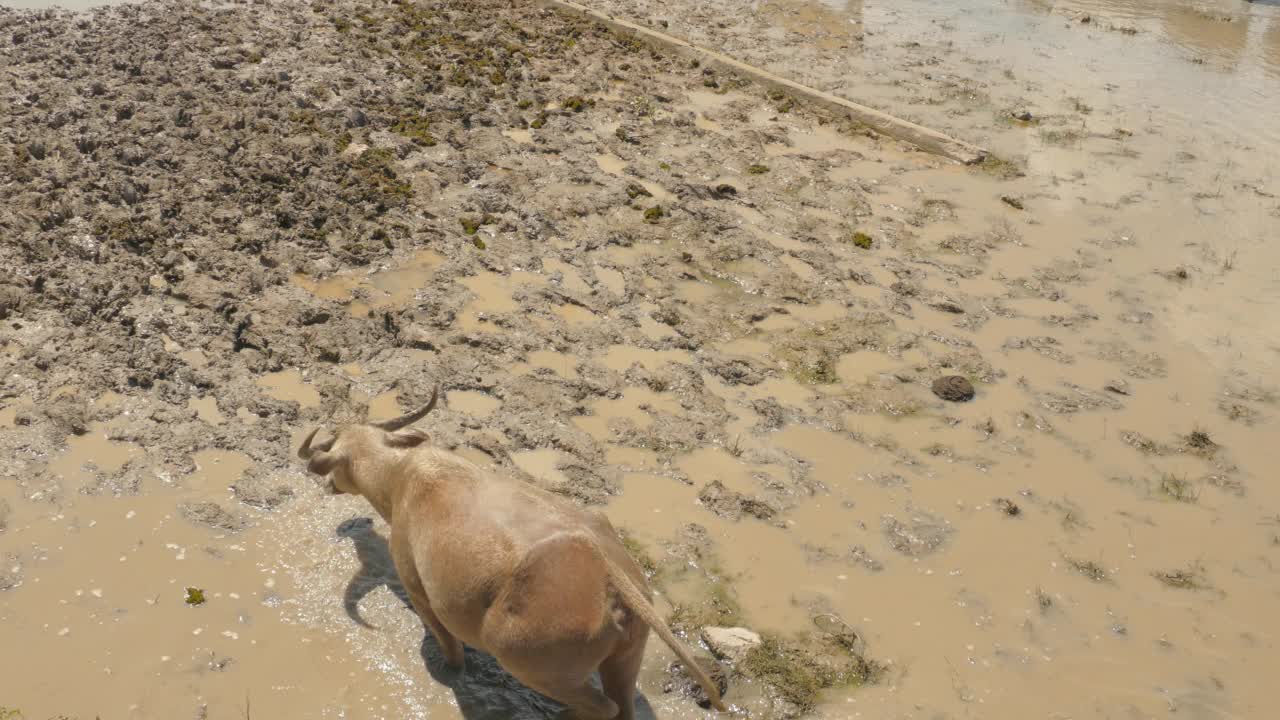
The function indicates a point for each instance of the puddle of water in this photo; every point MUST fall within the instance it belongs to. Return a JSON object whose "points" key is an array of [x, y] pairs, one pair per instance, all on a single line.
{"points": [[106, 606], [524, 137], [398, 285], [194, 358], [572, 280], [612, 164], [493, 293], [659, 193], [8, 416], [612, 280], [857, 366], [471, 402], [334, 287], [656, 508], [542, 464], [289, 385], [389, 288], [385, 406], [92, 448], [207, 410], [216, 470], [561, 364], [635, 404], [576, 315], [621, 357], [798, 314]]}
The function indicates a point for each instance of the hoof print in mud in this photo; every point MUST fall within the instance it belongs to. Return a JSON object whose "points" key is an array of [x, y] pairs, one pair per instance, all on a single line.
{"points": [[953, 388]]}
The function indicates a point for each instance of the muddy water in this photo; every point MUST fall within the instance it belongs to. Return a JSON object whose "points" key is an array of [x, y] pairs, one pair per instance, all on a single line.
{"points": [[1064, 544], [103, 596], [1150, 158], [378, 290]]}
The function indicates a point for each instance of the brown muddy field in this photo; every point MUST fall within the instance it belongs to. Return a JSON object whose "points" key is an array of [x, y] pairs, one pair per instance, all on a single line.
{"points": [[711, 312]]}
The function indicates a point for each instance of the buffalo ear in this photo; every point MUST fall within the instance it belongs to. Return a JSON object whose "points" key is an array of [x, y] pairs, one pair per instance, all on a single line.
{"points": [[322, 463], [405, 439]]}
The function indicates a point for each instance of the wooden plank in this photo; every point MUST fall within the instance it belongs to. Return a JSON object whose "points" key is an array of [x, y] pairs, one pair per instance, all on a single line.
{"points": [[922, 137]]}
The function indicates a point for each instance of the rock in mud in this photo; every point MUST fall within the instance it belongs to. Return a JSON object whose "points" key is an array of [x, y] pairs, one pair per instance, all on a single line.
{"points": [[212, 515], [733, 505], [681, 682], [5, 511], [953, 388], [922, 535], [1119, 387], [730, 643]]}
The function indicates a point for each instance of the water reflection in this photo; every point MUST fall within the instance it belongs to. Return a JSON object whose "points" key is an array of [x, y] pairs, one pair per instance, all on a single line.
{"points": [[1218, 31], [1178, 60]]}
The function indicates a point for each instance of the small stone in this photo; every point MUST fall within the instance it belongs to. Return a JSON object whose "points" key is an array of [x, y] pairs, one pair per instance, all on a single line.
{"points": [[730, 643], [1119, 387], [953, 388]]}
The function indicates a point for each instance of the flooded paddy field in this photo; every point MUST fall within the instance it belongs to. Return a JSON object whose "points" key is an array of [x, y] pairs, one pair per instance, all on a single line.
{"points": [[958, 442]]}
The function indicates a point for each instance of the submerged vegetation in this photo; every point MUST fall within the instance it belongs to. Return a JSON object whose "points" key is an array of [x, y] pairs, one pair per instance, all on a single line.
{"points": [[800, 669], [1090, 569], [1177, 488], [1190, 578]]}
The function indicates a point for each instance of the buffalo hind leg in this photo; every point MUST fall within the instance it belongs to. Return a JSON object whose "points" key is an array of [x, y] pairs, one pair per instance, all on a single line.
{"points": [[618, 676], [584, 702]]}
